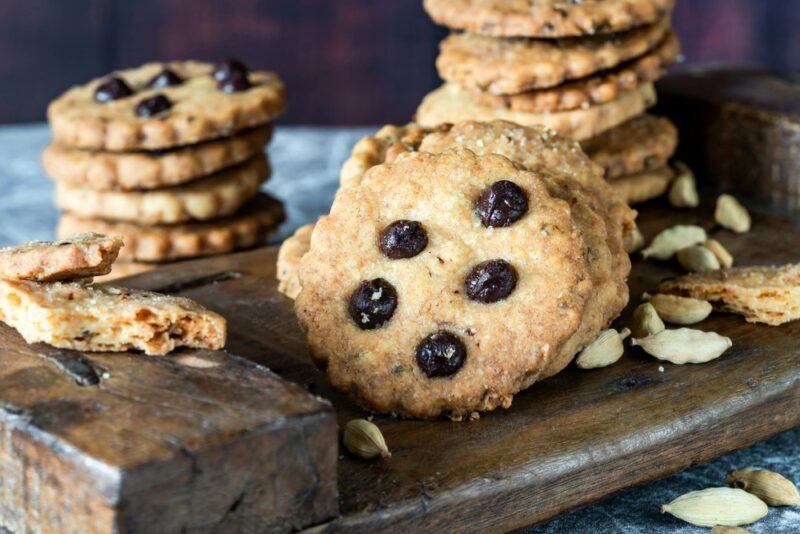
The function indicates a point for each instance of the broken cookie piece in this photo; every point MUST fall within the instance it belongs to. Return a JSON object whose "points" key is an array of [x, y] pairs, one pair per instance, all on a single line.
{"points": [[763, 294], [93, 318], [80, 256]]}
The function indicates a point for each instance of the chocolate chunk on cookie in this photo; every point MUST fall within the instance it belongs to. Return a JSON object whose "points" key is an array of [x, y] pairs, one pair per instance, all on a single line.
{"points": [[462, 323], [546, 18], [146, 109]]}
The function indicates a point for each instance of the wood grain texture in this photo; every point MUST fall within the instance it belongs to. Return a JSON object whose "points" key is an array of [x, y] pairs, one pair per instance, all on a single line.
{"points": [[740, 128], [568, 441], [191, 442]]}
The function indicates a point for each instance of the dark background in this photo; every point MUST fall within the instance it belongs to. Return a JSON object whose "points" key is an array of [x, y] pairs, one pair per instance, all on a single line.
{"points": [[344, 61]]}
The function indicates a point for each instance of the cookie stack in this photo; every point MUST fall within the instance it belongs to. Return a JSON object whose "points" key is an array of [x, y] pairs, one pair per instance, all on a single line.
{"points": [[585, 69], [170, 156], [458, 265]]}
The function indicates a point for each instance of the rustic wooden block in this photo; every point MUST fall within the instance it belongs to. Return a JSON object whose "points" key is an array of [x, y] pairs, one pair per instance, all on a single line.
{"points": [[740, 129], [199, 441]]}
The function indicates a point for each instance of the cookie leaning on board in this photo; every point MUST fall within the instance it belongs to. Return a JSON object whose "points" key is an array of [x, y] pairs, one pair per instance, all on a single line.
{"points": [[73, 314]]}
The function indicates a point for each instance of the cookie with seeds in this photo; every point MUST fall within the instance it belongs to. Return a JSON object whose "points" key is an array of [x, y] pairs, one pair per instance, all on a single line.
{"points": [[762, 294], [451, 104], [289, 255], [125, 171], [594, 90], [211, 197], [78, 256], [511, 66], [70, 315], [246, 228], [643, 143], [643, 185], [165, 105], [546, 18], [442, 284]]}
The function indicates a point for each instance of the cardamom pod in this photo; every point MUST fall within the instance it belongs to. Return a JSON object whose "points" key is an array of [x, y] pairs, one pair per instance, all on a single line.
{"points": [[673, 239], [364, 439], [732, 215], [684, 345], [698, 259], [717, 506], [679, 310], [645, 321], [720, 529], [683, 191], [724, 257], [634, 241], [772, 488], [603, 351]]}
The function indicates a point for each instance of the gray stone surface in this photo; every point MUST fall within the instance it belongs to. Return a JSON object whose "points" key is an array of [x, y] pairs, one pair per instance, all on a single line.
{"points": [[306, 163]]}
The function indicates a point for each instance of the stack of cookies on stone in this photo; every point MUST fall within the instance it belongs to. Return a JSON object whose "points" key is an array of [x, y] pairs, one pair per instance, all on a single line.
{"points": [[458, 266], [170, 156], [583, 68]]}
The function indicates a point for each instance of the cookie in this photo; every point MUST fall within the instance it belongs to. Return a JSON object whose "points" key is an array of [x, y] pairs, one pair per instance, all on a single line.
{"points": [[165, 105], [511, 66], [75, 316], [644, 185], [763, 294], [77, 256], [546, 18], [211, 197], [643, 143], [379, 148], [105, 171], [289, 255], [125, 269], [442, 284], [246, 228], [592, 91], [451, 104]]}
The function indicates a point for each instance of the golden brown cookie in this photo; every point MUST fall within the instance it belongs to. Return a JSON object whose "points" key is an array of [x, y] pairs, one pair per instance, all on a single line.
{"points": [[511, 66], [211, 197], [592, 91], [379, 148], [125, 269], [246, 228], [70, 315], [644, 185], [546, 18], [148, 170], [643, 143], [77, 256], [442, 284], [289, 255], [451, 104], [763, 294], [140, 109]]}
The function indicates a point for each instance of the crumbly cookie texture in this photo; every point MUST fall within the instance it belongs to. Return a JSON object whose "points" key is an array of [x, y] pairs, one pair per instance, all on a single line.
{"points": [[643, 185], [511, 66], [415, 307], [125, 269], [246, 228], [77, 256], [546, 18], [643, 143], [452, 104], [106, 171], [211, 197], [592, 91], [289, 255], [199, 110], [763, 294], [98, 318]]}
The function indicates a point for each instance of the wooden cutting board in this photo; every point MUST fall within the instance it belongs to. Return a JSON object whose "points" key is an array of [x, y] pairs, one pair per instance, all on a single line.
{"points": [[568, 441]]}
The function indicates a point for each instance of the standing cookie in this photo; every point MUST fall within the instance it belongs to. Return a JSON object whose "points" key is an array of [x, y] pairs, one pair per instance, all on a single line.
{"points": [[442, 284]]}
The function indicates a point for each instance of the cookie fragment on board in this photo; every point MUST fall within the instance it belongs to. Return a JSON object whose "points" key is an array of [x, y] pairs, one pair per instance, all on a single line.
{"points": [[77, 256], [546, 18], [762, 294], [71, 315]]}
